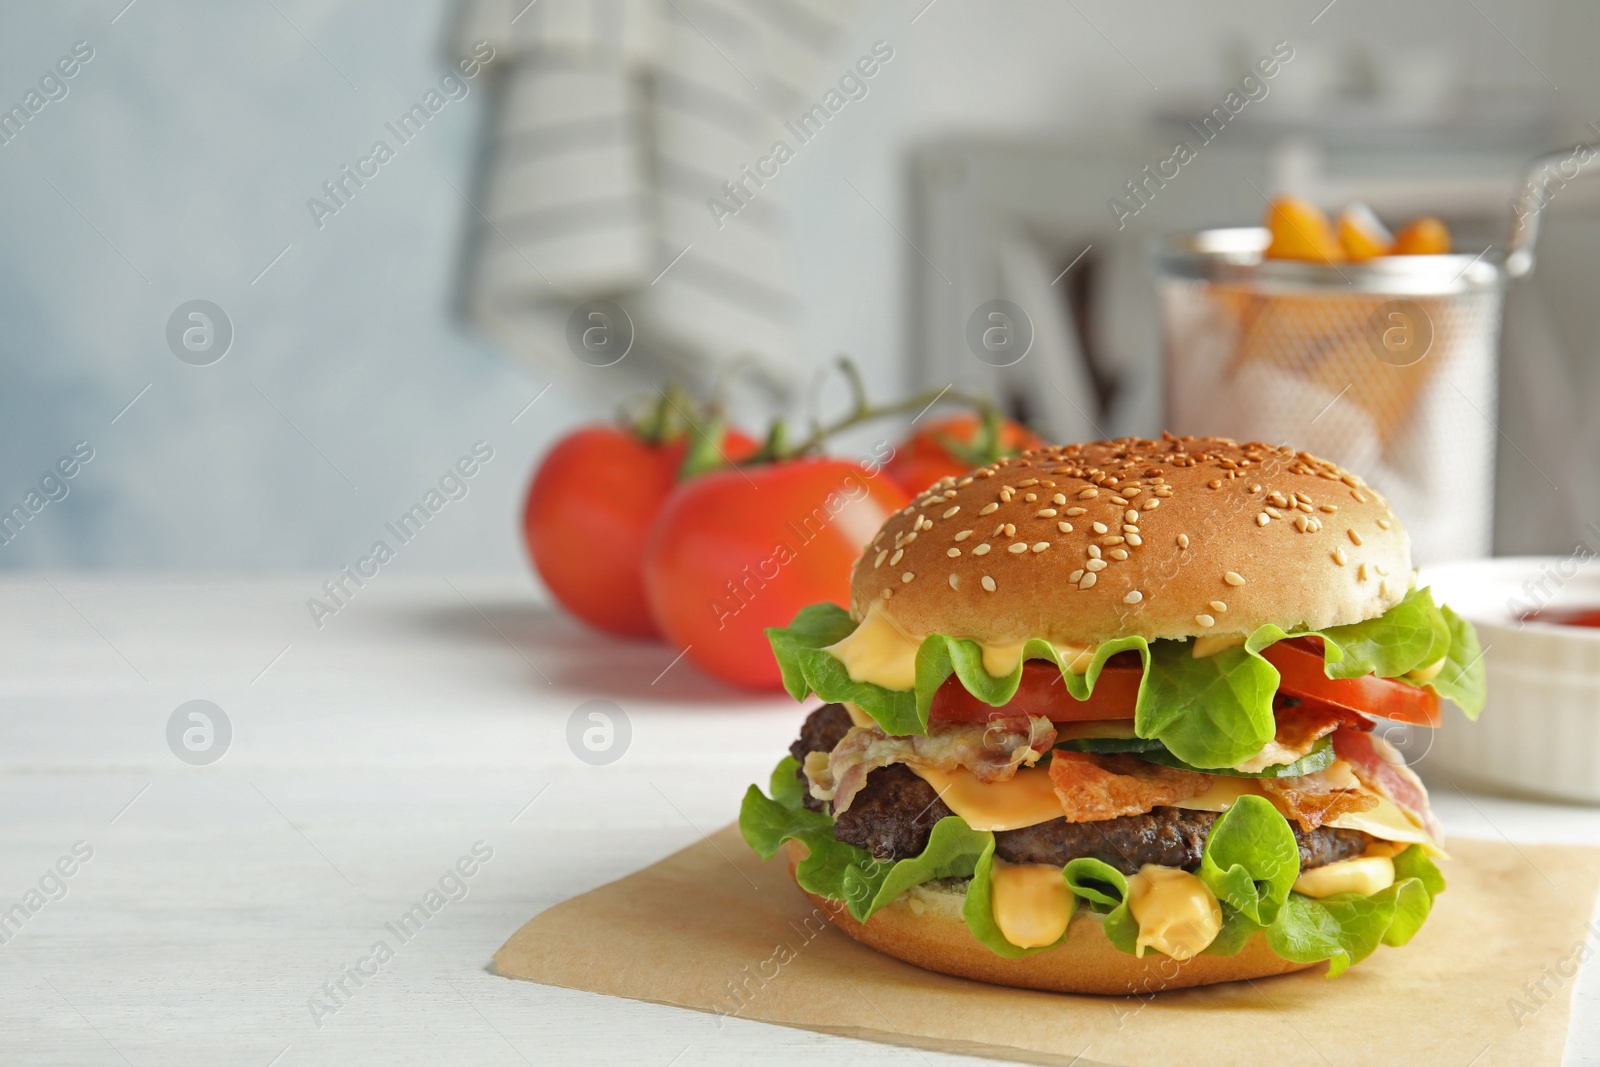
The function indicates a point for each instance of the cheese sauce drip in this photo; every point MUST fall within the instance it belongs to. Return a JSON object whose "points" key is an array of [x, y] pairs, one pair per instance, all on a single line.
{"points": [[1030, 902], [879, 652], [1176, 911]]}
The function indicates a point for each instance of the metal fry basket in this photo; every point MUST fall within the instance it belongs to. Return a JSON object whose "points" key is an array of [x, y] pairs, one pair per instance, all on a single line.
{"points": [[1386, 366]]}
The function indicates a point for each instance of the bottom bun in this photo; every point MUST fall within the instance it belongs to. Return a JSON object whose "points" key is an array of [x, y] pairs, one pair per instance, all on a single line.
{"points": [[923, 926]]}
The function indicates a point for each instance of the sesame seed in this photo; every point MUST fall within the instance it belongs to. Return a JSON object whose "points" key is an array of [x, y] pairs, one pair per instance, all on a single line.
{"points": [[955, 582], [1076, 511], [1383, 587], [1383, 524], [881, 557], [1233, 578], [1019, 547], [963, 535], [1151, 504], [1064, 527], [951, 511], [1163, 492], [1118, 553], [1329, 508], [1303, 506], [1135, 540], [910, 537], [1027, 482], [981, 550], [1045, 513], [896, 557], [1011, 530], [1129, 527], [1118, 500], [1301, 523], [989, 509], [1205, 620], [988, 583], [1114, 539], [1215, 483], [1040, 546], [1255, 488], [1361, 573], [1300, 496], [1088, 581], [887, 593], [1099, 527], [1131, 516], [1359, 498], [963, 483], [1263, 518], [1031, 497], [1132, 491], [1095, 565], [1059, 498], [1338, 556], [1279, 499], [1133, 597], [1273, 513], [1094, 551], [907, 576], [1089, 494], [952, 552], [1183, 540], [1354, 537]]}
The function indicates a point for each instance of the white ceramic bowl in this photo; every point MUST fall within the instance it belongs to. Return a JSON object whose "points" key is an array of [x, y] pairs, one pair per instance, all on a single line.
{"points": [[1540, 733]]}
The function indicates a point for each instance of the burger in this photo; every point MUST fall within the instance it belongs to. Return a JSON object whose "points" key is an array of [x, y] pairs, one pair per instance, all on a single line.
{"points": [[1116, 717]]}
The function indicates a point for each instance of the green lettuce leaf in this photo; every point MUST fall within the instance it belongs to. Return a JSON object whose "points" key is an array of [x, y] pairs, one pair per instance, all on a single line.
{"points": [[953, 851], [1347, 927], [1462, 681], [840, 871], [1251, 859], [1105, 890], [1209, 713]]}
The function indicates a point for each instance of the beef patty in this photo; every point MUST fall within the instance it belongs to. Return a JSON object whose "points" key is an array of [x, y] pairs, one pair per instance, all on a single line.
{"points": [[895, 811]]}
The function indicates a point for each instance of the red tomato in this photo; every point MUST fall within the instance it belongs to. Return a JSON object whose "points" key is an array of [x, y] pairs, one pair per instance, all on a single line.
{"points": [[736, 551], [1041, 693], [588, 515], [1300, 665], [925, 458]]}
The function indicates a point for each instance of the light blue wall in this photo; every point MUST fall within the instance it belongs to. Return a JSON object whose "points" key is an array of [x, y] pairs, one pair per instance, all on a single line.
{"points": [[190, 144]]}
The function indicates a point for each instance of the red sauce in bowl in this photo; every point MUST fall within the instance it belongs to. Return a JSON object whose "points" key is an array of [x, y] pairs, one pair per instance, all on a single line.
{"points": [[1579, 617]]}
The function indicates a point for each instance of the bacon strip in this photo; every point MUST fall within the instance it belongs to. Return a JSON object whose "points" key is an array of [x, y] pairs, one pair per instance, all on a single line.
{"points": [[1299, 726], [1382, 770], [1093, 787], [1313, 800], [991, 750]]}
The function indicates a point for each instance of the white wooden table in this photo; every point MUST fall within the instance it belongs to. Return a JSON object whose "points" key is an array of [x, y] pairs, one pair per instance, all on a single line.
{"points": [[366, 759]]}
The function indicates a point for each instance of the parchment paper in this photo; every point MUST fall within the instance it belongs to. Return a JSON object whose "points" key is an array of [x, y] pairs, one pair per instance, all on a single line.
{"points": [[715, 929]]}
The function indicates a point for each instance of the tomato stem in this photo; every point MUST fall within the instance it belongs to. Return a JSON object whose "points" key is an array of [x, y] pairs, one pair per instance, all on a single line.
{"points": [[777, 449]]}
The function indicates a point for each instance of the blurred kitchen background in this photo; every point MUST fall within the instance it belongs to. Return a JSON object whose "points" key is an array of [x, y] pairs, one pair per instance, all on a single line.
{"points": [[423, 308]]}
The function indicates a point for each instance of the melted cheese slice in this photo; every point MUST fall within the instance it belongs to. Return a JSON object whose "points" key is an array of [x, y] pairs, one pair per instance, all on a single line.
{"points": [[1176, 911], [1027, 799], [1030, 902], [880, 652], [1364, 874]]}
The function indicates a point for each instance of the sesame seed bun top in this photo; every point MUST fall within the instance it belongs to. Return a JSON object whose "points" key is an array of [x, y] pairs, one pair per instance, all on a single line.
{"points": [[1177, 538]]}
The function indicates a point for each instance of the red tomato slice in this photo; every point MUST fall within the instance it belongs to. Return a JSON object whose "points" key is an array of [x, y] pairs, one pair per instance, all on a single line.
{"points": [[1041, 693], [1300, 665]]}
